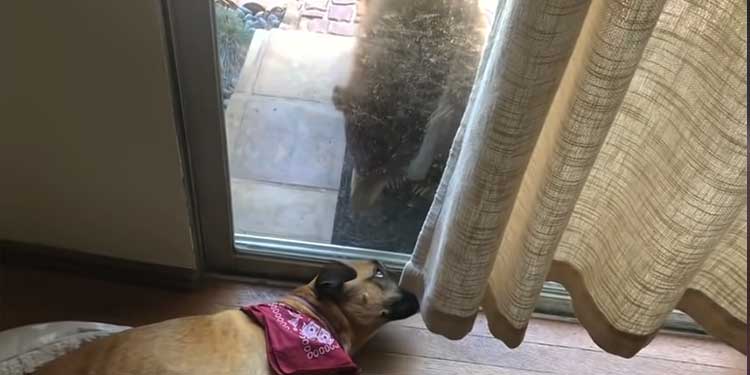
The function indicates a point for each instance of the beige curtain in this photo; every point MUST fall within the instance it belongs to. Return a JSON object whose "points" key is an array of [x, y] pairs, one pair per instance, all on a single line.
{"points": [[604, 147]]}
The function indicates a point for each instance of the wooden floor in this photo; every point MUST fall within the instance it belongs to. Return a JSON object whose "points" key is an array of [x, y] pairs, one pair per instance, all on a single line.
{"points": [[405, 348]]}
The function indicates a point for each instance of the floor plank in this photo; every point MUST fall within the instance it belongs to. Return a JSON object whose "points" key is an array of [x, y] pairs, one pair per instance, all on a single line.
{"points": [[529, 356], [670, 346], [32, 296], [376, 363]]}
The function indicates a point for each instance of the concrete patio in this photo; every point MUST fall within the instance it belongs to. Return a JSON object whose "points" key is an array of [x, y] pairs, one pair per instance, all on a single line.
{"points": [[285, 139]]}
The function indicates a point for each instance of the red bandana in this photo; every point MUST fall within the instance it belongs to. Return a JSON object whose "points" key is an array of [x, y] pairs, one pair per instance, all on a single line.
{"points": [[297, 344]]}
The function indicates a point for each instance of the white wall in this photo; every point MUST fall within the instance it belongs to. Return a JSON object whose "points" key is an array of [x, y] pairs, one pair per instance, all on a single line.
{"points": [[88, 151]]}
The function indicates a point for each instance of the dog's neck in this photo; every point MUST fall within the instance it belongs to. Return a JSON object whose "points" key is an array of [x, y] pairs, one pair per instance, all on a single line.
{"points": [[305, 300]]}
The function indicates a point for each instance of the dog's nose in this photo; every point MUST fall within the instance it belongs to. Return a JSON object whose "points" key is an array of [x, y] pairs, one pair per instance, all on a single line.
{"points": [[405, 307]]}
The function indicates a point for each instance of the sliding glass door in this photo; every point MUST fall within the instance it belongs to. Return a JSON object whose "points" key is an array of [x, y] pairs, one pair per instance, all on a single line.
{"points": [[310, 139], [319, 129], [269, 152]]}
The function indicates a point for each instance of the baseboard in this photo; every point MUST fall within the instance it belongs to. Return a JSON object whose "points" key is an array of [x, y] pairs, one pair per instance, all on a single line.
{"points": [[98, 266]]}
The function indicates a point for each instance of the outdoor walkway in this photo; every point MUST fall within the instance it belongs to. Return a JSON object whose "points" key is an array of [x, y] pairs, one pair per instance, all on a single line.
{"points": [[285, 139]]}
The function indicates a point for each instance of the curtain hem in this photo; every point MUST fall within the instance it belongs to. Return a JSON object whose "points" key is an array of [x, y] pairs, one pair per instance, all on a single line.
{"points": [[713, 318], [499, 326], [451, 326], [717, 321]]}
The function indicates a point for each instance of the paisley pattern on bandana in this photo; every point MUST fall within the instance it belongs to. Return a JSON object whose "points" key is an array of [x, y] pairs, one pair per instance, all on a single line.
{"points": [[299, 344]]}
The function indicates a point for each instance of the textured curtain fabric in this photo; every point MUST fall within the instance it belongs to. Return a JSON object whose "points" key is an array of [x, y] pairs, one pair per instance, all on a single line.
{"points": [[604, 147]]}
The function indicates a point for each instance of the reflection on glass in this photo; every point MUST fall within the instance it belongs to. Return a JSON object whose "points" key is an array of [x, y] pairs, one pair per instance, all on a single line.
{"points": [[340, 113]]}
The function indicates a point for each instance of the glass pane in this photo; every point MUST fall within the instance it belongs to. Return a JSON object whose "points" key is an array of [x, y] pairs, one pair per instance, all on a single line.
{"points": [[340, 113]]}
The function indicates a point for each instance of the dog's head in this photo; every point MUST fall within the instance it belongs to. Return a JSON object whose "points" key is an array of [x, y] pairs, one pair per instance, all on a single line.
{"points": [[365, 293]]}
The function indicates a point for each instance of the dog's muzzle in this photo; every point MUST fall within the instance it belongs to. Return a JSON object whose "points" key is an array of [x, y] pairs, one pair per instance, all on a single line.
{"points": [[404, 307]]}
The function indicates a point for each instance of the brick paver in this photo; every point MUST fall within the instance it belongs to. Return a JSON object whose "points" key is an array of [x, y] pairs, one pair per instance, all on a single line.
{"points": [[337, 17]]}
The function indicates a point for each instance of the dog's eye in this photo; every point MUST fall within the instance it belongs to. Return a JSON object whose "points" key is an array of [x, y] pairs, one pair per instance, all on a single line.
{"points": [[379, 274]]}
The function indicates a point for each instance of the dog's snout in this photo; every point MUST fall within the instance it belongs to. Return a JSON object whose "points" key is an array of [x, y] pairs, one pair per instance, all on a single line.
{"points": [[406, 306]]}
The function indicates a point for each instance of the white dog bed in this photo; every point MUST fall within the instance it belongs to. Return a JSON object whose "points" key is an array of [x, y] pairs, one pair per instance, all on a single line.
{"points": [[24, 349]]}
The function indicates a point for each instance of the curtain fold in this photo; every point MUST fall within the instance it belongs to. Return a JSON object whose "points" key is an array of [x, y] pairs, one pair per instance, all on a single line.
{"points": [[527, 52], [604, 147]]}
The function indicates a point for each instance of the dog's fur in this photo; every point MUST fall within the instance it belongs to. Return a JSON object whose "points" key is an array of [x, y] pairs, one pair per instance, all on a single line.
{"points": [[355, 298]]}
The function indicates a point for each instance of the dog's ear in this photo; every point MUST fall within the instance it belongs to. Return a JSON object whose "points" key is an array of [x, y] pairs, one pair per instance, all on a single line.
{"points": [[331, 279]]}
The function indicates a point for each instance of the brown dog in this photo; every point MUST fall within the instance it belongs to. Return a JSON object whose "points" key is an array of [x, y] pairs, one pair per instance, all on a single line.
{"points": [[353, 299]]}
